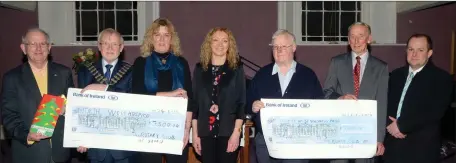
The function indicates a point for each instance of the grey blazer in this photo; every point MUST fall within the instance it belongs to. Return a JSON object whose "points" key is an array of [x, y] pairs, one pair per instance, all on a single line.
{"points": [[374, 84]]}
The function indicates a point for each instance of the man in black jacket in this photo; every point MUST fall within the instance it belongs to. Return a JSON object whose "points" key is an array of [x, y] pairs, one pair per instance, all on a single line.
{"points": [[418, 96], [22, 90]]}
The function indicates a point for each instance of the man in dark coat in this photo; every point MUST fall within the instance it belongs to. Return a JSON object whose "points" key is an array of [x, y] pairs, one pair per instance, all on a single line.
{"points": [[418, 96], [22, 90]]}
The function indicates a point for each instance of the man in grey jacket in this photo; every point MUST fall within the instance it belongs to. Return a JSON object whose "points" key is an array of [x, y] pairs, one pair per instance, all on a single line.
{"points": [[359, 75]]}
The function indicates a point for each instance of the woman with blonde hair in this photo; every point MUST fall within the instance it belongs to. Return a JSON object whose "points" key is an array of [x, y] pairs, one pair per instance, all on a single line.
{"points": [[219, 85], [162, 71]]}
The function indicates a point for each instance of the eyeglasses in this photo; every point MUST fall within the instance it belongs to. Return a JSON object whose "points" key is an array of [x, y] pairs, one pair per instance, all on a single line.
{"points": [[277, 47], [37, 44], [104, 44]]}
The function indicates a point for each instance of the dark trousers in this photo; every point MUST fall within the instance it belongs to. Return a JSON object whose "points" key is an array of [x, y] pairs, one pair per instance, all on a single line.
{"points": [[262, 153], [213, 150], [110, 159], [143, 157], [369, 160]]}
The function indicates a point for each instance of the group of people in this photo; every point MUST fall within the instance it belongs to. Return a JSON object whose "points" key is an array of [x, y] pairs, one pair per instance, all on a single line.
{"points": [[411, 100]]}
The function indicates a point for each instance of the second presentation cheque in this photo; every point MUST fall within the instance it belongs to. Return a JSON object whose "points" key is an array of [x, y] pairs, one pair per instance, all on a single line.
{"points": [[300, 129]]}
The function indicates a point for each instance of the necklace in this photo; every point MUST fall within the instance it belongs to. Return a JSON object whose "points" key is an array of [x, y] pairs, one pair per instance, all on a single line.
{"points": [[163, 59]]}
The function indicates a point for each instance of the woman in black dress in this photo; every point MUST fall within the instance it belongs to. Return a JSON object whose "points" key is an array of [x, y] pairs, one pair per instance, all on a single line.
{"points": [[162, 71], [219, 93]]}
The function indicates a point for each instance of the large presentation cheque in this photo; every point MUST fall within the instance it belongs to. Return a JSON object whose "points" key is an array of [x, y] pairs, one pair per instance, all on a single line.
{"points": [[311, 129], [122, 121]]}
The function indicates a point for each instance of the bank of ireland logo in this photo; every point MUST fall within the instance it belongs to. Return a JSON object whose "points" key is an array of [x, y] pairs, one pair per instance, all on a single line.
{"points": [[304, 105], [113, 97]]}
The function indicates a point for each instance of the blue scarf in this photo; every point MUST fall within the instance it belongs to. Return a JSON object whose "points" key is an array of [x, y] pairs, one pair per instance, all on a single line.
{"points": [[154, 64]]}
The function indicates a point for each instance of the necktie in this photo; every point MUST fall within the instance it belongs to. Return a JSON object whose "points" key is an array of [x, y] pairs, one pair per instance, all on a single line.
{"points": [[407, 83], [356, 75], [108, 73]]}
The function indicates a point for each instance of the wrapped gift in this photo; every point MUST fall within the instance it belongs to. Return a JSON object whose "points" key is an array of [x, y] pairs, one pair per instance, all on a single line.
{"points": [[47, 114]]}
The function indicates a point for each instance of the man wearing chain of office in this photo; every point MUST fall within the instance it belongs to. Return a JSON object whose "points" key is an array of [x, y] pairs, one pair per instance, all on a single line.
{"points": [[107, 74]]}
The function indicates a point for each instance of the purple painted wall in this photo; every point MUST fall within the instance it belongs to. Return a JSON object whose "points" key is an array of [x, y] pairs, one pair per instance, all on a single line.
{"points": [[14, 24], [437, 23], [253, 23]]}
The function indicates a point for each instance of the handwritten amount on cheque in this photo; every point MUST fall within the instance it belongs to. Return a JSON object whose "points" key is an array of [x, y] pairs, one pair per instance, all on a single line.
{"points": [[149, 127]]}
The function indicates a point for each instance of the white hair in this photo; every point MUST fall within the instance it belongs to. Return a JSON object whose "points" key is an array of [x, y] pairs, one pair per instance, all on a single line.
{"points": [[283, 32], [24, 37], [362, 24], [110, 31]]}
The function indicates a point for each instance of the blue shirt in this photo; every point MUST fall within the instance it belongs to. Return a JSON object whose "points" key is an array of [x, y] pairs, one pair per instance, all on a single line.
{"points": [[284, 79]]}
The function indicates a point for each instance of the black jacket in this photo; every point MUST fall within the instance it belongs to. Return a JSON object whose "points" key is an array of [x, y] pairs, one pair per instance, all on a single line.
{"points": [[425, 102], [20, 99], [231, 99]]}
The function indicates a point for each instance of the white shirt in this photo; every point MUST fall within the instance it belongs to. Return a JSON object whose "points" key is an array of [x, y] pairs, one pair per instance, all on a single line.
{"points": [[362, 61], [416, 71], [104, 63], [284, 79]]}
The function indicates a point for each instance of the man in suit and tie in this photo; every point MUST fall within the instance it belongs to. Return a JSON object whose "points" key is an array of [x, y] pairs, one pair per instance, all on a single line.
{"points": [[110, 74], [418, 97], [283, 79], [22, 90], [359, 75]]}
